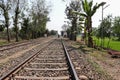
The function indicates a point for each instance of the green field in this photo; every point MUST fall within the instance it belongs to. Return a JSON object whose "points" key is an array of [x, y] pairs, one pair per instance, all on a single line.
{"points": [[115, 45]]}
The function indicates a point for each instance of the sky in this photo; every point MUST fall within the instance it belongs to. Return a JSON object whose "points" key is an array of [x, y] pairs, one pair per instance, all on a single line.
{"points": [[57, 14]]}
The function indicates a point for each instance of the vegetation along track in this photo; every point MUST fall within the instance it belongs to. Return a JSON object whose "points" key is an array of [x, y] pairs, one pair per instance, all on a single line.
{"points": [[50, 63]]}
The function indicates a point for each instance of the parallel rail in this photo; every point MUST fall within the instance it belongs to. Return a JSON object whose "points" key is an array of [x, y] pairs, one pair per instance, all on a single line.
{"points": [[14, 45], [71, 66], [73, 74], [10, 73]]}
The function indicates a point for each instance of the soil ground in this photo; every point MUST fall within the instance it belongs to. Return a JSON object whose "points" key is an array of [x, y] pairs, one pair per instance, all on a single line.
{"points": [[109, 65]]}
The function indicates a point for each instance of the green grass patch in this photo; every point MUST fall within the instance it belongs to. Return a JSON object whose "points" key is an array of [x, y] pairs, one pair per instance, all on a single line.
{"points": [[115, 45]]}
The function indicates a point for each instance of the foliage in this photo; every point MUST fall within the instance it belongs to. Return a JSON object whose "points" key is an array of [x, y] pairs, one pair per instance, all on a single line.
{"points": [[25, 31], [73, 6], [2, 28], [116, 27], [39, 15], [17, 6], [53, 32], [89, 11], [106, 27], [5, 6], [29, 18], [115, 45]]}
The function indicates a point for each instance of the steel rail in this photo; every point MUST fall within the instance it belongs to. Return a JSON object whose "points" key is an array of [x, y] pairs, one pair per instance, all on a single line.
{"points": [[9, 74], [16, 44], [73, 73]]}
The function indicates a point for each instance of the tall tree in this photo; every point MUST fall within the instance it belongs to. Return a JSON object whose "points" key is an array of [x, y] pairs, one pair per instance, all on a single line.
{"points": [[5, 6], [18, 6], [39, 13], [73, 6], [89, 11]]}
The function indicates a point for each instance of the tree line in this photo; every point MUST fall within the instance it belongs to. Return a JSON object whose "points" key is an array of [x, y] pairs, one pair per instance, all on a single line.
{"points": [[80, 14], [108, 28], [25, 19]]}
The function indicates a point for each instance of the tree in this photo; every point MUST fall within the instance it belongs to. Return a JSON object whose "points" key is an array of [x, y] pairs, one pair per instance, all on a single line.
{"points": [[89, 11], [106, 29], [2, 28], [39, 14], [18, 6], [116, 27], [73, 6], [5, 6], [25, 31], [53, 32]]}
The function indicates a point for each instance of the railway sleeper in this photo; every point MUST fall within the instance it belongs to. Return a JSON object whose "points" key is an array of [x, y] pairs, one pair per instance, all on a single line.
{"points": [[42, 78]]}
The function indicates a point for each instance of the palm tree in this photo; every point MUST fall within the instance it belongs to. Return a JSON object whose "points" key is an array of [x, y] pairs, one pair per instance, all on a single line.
{"points": [[89, 11]]}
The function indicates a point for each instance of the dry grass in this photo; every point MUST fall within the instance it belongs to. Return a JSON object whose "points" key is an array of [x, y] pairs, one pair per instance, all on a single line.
{"points": [[2, 42], [101, 61]]}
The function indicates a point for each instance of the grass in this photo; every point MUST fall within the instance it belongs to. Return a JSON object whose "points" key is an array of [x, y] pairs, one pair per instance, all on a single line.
{"points": [[115, 45], [99, 69], [98, 56], [2, 42]]}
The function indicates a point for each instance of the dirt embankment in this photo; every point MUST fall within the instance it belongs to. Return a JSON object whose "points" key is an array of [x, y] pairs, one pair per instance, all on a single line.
{"points": [[100, 62]]}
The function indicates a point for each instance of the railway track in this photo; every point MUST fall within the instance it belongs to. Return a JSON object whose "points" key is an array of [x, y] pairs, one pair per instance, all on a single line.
{"points": [[10, 50], [50, 63], [18, 44]]}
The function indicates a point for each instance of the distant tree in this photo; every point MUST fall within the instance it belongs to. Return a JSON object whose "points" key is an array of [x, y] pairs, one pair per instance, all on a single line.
{"points": [[26, 30], [68, 32], [39, 14], [105, 29], [47, 32], [2, 27], [106, 26], [116, 27], [53, 32]]}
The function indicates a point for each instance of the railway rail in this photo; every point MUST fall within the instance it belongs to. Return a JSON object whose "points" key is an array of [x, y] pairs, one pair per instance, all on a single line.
{"points": [[18, 44], [51, 62]]}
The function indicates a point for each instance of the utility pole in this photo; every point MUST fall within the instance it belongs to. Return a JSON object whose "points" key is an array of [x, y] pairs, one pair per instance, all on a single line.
{"points": [[102, 27], [102, 24]]}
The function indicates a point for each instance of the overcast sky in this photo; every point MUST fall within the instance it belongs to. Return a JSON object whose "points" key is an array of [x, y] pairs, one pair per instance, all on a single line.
{"points": [[57, 14]]}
